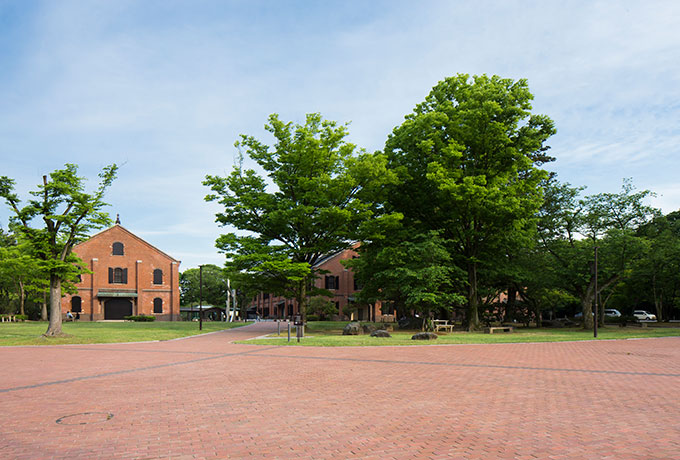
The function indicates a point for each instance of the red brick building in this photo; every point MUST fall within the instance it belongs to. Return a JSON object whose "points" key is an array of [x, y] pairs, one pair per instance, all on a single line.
{"points": [[129, 277], [339, 280]]}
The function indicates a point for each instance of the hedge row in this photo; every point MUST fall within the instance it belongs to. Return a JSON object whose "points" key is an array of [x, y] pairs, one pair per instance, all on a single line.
{"points": [[140, 318]]}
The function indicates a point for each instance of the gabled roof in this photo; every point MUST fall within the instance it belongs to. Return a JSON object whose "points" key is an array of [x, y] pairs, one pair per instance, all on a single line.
{"points": [[333, 255], [328, 257], [120, 227]]}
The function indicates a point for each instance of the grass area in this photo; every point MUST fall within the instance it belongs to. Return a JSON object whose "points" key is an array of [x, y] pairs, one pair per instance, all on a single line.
{"points": [[329, 334], [30, 333]]}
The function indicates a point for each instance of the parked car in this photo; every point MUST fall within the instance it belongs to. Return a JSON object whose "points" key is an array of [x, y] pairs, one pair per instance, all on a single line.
{"points": [[644, 316], [608, 312]]}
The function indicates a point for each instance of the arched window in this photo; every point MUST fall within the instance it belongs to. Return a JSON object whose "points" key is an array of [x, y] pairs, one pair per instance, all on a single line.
{"points": [[158, 276], [117, 275], [118, 249], [76, 304], [158, 305]]}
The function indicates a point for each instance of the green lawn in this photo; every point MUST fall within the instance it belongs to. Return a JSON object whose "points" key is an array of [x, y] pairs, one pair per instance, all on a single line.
{"points": [[329, 334], [30, 333]]}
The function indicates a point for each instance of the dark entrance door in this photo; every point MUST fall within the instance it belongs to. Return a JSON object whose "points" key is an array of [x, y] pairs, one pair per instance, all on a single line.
{"points": [[117, 308]]}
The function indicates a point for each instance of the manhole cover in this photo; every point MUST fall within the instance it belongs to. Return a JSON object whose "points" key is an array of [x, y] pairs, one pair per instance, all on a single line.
{"points": [[85, 418]]}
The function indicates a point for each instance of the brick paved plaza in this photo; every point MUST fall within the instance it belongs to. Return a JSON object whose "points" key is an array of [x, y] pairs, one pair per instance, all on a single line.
{"points": [[205, 397]]}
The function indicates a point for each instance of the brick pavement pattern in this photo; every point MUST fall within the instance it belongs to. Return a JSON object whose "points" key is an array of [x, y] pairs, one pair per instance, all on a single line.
{"points": [[207, 398]]}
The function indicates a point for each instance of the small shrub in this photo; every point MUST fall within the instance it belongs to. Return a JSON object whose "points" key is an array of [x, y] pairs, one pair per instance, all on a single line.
{"points": [[625, 320], [140, 318], [21, 317], [312, 317], [621, 320], [321, 307]]}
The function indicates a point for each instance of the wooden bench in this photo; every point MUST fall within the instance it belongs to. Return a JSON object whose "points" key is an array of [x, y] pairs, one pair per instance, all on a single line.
{"points": [[491, 330], [442, 324]]}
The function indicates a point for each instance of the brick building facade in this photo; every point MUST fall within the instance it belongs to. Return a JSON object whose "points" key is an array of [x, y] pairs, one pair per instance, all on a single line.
{"points": [[339, 280], [129, 277]]}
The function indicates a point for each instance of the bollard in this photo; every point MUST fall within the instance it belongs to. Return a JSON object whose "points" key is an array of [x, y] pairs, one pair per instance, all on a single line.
{"points": [[288, 321], [278, 326]]}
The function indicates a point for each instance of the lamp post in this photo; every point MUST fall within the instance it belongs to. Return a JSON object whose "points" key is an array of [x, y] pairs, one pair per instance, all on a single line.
{"points": [[200, 297], [596, 294], [227, 310]]}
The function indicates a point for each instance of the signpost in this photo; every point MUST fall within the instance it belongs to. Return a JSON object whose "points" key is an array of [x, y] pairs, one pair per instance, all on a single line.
{"points": [[299, 325]]}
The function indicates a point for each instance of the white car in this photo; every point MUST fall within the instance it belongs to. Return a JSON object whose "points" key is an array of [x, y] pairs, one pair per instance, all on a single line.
{"points": [[612, 313], [644, 316]]}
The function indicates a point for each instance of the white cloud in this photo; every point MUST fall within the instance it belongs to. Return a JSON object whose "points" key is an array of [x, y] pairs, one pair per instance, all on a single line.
{"points": [[667, 197]]}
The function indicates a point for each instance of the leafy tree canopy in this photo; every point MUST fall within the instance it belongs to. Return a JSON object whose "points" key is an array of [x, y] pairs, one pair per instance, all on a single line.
{"points": [[60, 214], [570, 227], [468, 161], [308, 204], [214, 286]]}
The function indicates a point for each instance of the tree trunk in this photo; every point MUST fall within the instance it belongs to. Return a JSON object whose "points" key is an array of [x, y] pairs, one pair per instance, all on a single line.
{"points": [[600, 312], [302, 300], [539, 316], [43, 310], [22, 298], [473, 301], [658, 300], [54, 329], [587, 308], [511, 304], [587, 305], [658, 305]]}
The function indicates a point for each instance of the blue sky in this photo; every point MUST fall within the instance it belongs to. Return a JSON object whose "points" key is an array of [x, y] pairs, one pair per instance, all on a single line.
{"points": [[164, 88]]}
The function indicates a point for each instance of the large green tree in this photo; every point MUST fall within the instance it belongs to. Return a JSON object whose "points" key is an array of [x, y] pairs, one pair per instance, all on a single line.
{"points": [[214, 286], [22, 272], [7, 242], [60, 214], [412, 272], [468, 161], [307, 203], [655, 277], [571, 227]]}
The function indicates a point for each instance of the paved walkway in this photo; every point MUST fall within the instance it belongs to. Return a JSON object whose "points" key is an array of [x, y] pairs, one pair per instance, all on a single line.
{"points": [[206, 398]]}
